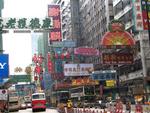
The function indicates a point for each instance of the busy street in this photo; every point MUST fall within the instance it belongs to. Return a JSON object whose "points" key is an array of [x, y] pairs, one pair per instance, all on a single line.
{"points": [[74, 56]]}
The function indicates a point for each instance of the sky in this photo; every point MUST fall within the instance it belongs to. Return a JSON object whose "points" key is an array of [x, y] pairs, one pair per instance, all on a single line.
{"points": [[19, 45]]}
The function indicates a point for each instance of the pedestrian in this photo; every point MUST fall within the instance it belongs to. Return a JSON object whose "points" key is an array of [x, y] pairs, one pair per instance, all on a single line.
{"points": [[69, 106], [128, 107]]}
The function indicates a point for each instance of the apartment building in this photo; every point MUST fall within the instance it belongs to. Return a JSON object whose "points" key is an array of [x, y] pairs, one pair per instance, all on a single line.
{"points": [[136, 75]]}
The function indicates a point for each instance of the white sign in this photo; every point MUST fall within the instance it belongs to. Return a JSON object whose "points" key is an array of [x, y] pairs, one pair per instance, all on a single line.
{"points": [[77, 69]]}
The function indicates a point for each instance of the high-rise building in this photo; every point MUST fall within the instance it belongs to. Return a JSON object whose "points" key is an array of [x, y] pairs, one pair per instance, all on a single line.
{"points": [[95, 15], [136, 75]]}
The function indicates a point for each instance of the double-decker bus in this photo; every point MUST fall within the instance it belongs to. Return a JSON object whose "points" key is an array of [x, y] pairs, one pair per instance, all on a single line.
{"points": [[85, 94]]}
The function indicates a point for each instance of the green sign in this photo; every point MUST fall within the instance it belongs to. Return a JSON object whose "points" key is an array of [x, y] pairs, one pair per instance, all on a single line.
{"points": [[26, 24], [20, 78]]}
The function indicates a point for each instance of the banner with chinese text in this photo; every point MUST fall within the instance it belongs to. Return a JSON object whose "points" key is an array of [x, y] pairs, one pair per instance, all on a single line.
{"points": [[54, 12]]}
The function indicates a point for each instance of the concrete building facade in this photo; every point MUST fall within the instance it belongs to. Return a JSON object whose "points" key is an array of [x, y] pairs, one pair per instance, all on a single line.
{"points": [[135, 76]]}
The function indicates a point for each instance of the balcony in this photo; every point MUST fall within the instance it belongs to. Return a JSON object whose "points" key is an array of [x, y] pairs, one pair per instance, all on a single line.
{"points": [[115, 2], [121, 13]]}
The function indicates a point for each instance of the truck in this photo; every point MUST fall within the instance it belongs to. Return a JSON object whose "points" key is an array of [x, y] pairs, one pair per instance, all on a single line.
{"points": [[14, 101], [4, 107]]}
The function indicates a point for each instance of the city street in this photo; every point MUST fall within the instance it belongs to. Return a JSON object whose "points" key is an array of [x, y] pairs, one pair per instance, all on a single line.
{"points": [[30, 111]]}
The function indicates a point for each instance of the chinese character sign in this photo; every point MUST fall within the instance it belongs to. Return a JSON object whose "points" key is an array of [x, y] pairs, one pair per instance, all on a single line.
{"points": [[54, 12], [145, 13], [138, 19]]}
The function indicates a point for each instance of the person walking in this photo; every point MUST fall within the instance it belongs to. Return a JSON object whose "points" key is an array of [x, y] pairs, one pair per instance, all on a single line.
{"points": [[128, 107], [69, 106]]}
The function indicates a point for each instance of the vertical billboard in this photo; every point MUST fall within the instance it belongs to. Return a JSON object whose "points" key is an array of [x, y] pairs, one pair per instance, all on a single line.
{"points": [[55, 33], [4, 67], [145, 4], [138, 19]]}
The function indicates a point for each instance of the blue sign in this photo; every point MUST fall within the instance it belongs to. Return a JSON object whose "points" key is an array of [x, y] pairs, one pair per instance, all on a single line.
{"points": [[4, 66], [104, 75]]}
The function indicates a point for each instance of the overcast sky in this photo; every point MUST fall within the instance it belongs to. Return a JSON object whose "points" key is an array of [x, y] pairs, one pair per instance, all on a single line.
{"points": [[18, 45]]}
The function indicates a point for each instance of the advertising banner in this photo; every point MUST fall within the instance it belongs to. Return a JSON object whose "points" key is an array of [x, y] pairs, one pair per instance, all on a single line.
{"points": [[104, 75], [4, 66], [117, 58], [138, 21], [145, 13], [55, 33], [110, 83], [77, 69], [86, 51], [84, 81], [69, 43]]}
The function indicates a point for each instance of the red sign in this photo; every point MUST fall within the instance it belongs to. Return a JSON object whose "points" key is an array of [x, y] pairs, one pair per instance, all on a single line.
{"points": [[50, 64], [62, 85], [117, 58], [57, 76], [117, 37], [86, 51], [54, 11]]}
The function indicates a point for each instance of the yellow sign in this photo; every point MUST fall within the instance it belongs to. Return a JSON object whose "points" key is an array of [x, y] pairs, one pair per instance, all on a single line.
{"points": [[110, 83]]}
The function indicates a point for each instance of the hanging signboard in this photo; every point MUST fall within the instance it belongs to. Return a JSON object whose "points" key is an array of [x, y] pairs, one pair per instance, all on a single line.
{"points": [[54, 12], [77, 69], [137, 15], [86, 51], [23, 25], [117, 58], [117, 37], [84, 81]]}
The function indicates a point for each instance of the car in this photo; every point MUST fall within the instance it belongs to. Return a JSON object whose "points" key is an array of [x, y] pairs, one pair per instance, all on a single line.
{"points": [[100, 104], [23, 106], [27, 100]]}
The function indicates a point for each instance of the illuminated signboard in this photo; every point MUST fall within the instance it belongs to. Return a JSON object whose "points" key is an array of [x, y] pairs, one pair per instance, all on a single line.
{"points": [[117, 58], [54, 12], [117, 37], [138, 22], [26, 24], [145, 6], [104, 75], [84, 81], [87, 51], [77, 69]]}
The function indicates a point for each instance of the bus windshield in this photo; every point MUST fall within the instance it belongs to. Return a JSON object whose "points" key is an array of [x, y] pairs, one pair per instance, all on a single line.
{"points": [[38, 96]]}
